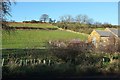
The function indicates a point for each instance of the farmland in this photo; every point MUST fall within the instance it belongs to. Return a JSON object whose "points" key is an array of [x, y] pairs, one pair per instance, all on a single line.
{"points": [[36, 38], [38, 25], [25, 54], [42, 41]]}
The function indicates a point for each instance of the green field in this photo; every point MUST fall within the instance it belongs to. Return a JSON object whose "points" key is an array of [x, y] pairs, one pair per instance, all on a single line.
{"points": [[100, 28], [39, 25], [36, 38]]}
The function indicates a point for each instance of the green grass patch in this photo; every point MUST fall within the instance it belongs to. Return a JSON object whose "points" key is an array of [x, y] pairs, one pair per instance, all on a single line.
{"points": [[100, 28], [38, 25], [36, 38]]}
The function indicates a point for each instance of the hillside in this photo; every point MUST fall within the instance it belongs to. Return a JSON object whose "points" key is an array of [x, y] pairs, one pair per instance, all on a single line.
{"points": [[36, 38], [32, 25]]}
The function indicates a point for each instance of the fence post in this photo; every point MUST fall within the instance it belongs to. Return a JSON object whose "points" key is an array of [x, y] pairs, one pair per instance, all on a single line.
{"points": [[26, 61], [3, 61], [21, 63], [44, 62], [31, 61], [39, 61], [49, 61], [34, 61], [16, 61]]}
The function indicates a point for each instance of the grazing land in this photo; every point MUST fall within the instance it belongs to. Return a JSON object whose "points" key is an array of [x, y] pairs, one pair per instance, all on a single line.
{"points": [[37, 25], [36, 38], [100, 28]]}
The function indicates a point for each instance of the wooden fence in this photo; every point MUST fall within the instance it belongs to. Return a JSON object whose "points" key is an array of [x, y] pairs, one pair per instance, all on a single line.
{"points": [[26, 62]]}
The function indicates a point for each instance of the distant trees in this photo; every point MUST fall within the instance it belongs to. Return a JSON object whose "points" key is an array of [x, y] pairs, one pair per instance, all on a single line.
{"points": [[107, 25], [44, 17], [77, 23], [78, 18], [85, 19], [90, 21], [32, 21], [66, 18], [51, 21], [82, 19], [80, 23], [97, 24]]}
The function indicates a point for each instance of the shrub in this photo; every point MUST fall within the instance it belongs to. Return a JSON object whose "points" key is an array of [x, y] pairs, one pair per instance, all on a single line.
{"points": [[70, 51]]}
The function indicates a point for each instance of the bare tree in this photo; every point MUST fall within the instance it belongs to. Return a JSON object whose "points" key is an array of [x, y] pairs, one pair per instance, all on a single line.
{"points": [[78, 18], [90, 21], [66, 18], [84, 19], [97, 24], [106, 25]]}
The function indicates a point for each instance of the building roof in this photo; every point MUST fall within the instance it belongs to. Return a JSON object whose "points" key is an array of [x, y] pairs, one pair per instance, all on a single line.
{"points": [[103, 33], [115, 31]]}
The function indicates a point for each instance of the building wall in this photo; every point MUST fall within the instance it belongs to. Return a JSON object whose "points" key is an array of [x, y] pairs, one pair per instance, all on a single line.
{"points": [[96, 36], [105, 42], [99, 40], [92, 35]]}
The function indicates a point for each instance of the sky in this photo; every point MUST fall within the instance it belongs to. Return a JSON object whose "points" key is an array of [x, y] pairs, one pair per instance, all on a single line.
{"points": [[98, 11]]}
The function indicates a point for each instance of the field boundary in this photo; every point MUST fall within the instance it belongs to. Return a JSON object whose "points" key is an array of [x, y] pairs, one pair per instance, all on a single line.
{"points": [[33, 28]]}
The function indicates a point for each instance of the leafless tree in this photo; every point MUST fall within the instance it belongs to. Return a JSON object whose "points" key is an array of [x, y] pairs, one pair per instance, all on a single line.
{"points": [[78, 18], [66, 18]]}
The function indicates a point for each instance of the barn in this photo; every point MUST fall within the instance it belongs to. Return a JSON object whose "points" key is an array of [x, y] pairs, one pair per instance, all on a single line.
{"points": [[104, 37]]}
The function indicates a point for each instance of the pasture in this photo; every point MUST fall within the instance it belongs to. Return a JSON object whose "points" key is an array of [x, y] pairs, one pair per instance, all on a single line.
{"points": [[38, 25], [36, 38]]}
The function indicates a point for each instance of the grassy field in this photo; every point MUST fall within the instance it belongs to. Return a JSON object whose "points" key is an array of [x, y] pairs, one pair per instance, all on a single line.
{"points": [[35, 38], [100, 28], [39, 25]]}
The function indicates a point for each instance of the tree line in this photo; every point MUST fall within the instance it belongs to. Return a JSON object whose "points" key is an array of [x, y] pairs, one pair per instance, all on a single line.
{"points": [[82, 19], [81, 23], [65, 21], [44, 18]]}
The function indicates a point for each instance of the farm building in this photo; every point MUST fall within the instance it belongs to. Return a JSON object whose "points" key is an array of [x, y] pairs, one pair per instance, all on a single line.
{"points": [[109, 36]]}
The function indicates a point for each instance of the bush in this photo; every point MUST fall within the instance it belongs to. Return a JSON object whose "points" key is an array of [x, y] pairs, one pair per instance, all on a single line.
{"points": [[73, 51]]}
